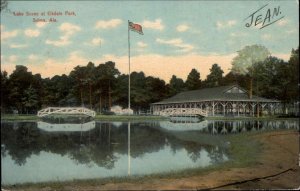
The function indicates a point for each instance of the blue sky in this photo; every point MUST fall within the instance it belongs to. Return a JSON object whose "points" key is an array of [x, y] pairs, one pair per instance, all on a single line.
{"points": [[178, 35]]}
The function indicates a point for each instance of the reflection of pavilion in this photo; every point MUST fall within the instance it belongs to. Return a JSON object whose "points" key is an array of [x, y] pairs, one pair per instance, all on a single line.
{"points": [[183, 126], [215, 127], [66, 126]]}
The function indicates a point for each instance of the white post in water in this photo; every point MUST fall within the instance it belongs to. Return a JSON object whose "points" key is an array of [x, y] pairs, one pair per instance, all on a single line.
{"points": [[129, 149]]}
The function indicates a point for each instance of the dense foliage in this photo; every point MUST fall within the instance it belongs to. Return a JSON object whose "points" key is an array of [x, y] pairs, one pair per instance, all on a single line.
{"points": [[100, 87]]}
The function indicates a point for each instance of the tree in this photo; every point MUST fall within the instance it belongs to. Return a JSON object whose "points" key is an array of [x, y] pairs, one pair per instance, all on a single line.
{"points": [[58, 91], [91, 80], [30, 99], [19, 81], [214, 78], [105, 76], [139, 93], [79, 74], [4, 91], [193, 81], [270, 78], [244, 62], [293, 74], [155, 89], [176, 85], [144, 90], [121, 90]]}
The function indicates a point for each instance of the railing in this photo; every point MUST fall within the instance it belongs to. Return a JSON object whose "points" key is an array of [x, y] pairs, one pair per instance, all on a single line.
{"points": [[183, 112], [66, 111]]}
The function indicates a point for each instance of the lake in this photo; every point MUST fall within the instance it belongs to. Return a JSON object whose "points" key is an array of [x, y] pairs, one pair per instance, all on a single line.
{"points": [[43, 151]]}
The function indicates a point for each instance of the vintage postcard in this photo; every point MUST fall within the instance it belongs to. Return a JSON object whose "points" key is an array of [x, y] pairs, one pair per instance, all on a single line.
{"points": [[160, 95]]}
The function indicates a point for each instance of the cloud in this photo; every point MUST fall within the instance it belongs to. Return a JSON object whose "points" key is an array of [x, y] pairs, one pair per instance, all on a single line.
{"points": [[238, 34], [177, 42], [156, 25], [40, 24], [170, 42], [292, 31], [101, 24], [282, 22], [231, 23], [32, 32], [8, 34], [96, 41], [52, 67], [225, 24], [142, 44], [68, 30], [48, 67], [32, 57], [13, 58], [282, 56], [182, 28], [150, 64], [18, 45], [62, 42], [266, 36]]}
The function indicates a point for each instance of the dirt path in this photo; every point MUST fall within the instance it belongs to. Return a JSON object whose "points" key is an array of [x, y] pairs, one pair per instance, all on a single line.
{"points": [[278, 168]]}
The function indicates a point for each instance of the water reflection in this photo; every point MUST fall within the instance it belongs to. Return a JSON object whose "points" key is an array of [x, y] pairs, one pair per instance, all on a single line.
{"points": [[226, 127], [66, 126], [184, 126], [97, 149], [108, 149]]}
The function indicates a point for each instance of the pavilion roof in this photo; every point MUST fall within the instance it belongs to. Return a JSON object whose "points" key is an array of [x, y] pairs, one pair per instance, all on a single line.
{"points": [[221, 93]]}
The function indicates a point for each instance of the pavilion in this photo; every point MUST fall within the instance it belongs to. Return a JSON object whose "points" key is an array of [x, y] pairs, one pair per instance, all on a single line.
{"points": [[218, 101]]}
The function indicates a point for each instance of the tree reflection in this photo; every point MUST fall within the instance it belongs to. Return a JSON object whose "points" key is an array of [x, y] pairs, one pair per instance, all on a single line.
{"points": [[102, 145]]}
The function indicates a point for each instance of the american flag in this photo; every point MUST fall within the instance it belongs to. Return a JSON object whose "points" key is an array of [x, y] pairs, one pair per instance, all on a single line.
{"points": [[135, 27]]}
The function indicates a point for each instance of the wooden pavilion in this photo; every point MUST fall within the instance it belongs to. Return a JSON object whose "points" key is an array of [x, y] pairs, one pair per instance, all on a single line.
{"points": [[218, 101]]}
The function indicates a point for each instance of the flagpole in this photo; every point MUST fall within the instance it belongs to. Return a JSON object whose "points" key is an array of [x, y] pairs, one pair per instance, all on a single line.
{"points": [[128, 67]]}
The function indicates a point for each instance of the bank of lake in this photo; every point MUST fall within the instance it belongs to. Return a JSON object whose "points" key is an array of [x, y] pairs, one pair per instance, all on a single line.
{"points": [[24, 117]]}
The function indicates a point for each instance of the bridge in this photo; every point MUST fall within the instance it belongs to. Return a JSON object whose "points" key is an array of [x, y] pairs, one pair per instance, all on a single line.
{"points": [[169, 112], [66, 111]]}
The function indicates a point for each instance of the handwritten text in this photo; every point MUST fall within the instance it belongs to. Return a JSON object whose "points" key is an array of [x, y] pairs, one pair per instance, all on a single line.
{"points": [[264, 17]]}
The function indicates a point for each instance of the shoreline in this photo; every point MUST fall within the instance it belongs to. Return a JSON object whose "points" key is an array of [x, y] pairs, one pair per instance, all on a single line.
{"points": [[275, 152], [23, 117]]}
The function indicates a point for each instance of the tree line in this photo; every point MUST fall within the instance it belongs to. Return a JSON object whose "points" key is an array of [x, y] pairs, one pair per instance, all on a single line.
{"points": [[101, 86]]}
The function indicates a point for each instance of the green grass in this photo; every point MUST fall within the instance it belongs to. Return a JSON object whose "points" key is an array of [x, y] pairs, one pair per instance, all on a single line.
{"points": [[12, 117], [128, 118], [24, 117], [17, 117], [244, 151]]}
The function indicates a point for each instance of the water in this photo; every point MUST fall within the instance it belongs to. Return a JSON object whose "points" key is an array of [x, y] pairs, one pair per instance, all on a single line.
{"points": [[34, 152]]}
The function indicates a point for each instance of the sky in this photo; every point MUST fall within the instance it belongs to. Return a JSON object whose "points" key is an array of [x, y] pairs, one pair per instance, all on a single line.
{"points": [[178, 35]]}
